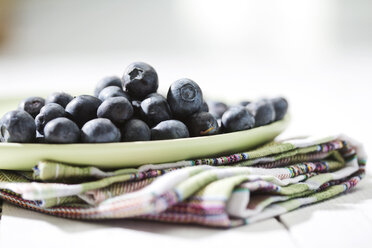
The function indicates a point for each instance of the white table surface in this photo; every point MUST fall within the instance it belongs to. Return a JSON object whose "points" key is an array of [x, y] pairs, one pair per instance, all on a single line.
{"points": [[328, 98]]}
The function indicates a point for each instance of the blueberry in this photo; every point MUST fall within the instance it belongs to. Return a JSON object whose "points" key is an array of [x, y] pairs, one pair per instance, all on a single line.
{"points": [[113, 91], [263, 111], [236, 119], [106, 82], [217, 108], [202, 124], [32, 105], [244, 103], [100, 130], [40, 140], [140, 79], [280, 106], [60, 98], [117, 109], [135, 130], [219, 121], [185, 98], [61, 131], [83, 109], [136, 104], [17, 126], [155, 109], [39, 135], [47, 113], [153, 94], [169, 129], [205, 107]]}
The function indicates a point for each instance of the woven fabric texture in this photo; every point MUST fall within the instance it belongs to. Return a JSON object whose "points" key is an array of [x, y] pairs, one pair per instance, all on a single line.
{"points": [[225, 191]]}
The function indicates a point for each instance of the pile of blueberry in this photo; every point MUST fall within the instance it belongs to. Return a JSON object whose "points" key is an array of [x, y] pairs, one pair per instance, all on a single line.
{"points": [[130, 109]]}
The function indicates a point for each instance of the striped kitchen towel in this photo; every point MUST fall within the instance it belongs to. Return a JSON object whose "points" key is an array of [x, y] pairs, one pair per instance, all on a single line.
{"points": [[224, 191]]}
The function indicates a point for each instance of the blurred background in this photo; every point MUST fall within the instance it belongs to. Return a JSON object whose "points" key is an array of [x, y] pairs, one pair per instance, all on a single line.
{"points": [[317, 53]]}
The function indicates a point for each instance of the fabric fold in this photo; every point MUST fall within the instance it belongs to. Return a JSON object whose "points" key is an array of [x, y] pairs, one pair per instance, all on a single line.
{"points": [[224, 191]]}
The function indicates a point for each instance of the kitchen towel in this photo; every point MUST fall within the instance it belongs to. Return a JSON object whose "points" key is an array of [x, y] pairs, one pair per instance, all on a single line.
{"points": [[225, 191]]}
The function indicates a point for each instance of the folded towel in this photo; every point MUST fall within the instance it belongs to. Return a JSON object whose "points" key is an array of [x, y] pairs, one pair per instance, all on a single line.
{"points": [[225, 191]]}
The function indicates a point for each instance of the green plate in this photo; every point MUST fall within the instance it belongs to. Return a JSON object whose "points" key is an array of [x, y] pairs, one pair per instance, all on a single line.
{"points": [[15, 156]]}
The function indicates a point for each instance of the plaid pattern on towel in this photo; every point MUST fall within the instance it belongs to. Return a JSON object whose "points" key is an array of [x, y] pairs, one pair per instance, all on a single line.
{"points": [[226, 191]]}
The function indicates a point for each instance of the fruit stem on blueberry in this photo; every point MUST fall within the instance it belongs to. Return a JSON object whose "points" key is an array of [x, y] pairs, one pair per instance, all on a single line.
{"points": [[206, 131]]}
